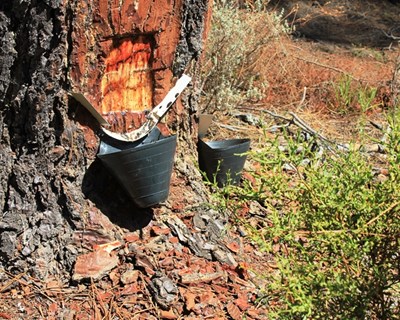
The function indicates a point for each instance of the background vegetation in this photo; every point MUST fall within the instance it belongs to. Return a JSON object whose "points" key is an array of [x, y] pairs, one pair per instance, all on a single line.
{"points": [[333, 222]]}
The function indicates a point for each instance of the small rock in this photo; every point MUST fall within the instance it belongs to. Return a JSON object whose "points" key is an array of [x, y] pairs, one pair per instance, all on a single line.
{"points": [[381, 177], [289, 167], [249, 118], [305, 162], [371, 148], [217, 226], [157, 230], [142, 261], [114, 276], [209, 246], [225, 257], [198, 222], [26, 251], [163, 290], [241, 231], [131, 237], [81, 287], [234, 246]]}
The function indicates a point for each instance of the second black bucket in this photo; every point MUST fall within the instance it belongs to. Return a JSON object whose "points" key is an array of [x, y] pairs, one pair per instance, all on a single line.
{"points": [[223, 160], [143, 168]]}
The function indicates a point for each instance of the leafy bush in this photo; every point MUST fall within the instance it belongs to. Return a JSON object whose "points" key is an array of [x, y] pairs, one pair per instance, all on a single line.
{"points": [[234, 53], [336, 225]]}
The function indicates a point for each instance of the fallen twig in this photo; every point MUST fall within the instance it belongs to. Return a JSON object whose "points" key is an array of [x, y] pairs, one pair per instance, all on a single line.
{"points": [[327, 67], [383, 213], [278, 116], [230, 127], [376, 125], [395, 83], [36, 289], [10, 282], [391, 36], [303, 98], [304, 126]]}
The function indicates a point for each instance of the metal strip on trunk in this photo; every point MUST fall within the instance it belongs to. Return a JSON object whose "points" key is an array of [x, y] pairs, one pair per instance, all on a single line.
{"points": [[155, 115], [84, 102]]}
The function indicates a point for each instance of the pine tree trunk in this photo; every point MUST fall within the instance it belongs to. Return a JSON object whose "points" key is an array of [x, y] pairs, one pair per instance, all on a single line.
{"points": [[57, 200]]}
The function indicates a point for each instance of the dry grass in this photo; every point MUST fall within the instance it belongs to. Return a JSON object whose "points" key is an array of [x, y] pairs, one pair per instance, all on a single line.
{"points": [[300, 76]]}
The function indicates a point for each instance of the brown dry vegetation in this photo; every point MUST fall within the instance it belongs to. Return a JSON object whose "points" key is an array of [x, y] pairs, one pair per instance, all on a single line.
{"points": [[332, 39]]}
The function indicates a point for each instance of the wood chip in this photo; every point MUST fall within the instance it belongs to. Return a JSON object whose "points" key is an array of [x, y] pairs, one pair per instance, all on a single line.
{"points": [[242, 302], [201, 277], [233, 246], [167, 314], [234, 311], [109, 247], [190, 300]]}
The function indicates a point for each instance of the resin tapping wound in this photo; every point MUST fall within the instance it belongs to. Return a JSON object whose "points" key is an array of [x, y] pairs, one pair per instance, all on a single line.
{"points": [[127, 84]]}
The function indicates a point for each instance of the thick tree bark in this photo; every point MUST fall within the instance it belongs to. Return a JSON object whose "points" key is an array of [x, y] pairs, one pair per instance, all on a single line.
{"points": [[56, 199]]}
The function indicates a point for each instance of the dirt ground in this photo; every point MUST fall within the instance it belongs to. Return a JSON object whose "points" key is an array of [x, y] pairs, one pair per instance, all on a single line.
{"points": [[332, 40], [162, 276]]}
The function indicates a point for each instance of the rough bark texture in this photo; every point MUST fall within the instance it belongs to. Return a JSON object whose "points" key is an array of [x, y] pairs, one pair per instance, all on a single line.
{"points": [[56, 199]]}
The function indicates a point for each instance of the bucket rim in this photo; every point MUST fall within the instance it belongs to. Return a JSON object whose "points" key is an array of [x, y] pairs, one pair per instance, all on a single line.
{"points": [[139, 148], [226, 144]]}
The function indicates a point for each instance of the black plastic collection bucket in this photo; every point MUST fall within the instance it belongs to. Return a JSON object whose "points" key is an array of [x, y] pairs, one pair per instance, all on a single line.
{"points": [[142, 167], [223, 161]]}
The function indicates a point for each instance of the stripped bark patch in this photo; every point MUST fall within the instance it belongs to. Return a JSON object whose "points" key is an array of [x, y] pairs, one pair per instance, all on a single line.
{"points": [[127, 83]]}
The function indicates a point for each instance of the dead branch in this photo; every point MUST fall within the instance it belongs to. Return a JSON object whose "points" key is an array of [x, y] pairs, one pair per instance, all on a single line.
{"points": [[327, 67], [230, 127], [326, 143], [390, 34], [303, 98], [306, 128]]}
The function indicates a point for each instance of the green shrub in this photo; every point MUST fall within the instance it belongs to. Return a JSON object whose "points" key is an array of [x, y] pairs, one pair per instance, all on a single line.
{"points": [[336, 225], [352, 96], [345, 94]]}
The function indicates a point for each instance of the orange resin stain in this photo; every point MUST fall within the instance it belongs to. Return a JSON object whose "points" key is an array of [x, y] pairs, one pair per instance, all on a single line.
{"points": [[127, 84]]}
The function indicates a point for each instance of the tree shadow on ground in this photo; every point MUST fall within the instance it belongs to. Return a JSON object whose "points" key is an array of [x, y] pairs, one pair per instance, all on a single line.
{"points": [[105, 191], [361, 23]]}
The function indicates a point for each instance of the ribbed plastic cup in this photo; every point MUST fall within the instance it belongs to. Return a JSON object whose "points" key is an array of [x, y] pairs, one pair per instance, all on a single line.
{"points": [[223, 161], [143, 168]]}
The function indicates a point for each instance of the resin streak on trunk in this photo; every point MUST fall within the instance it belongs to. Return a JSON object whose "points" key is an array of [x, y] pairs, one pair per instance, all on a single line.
{"points": [[127, 83]]}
